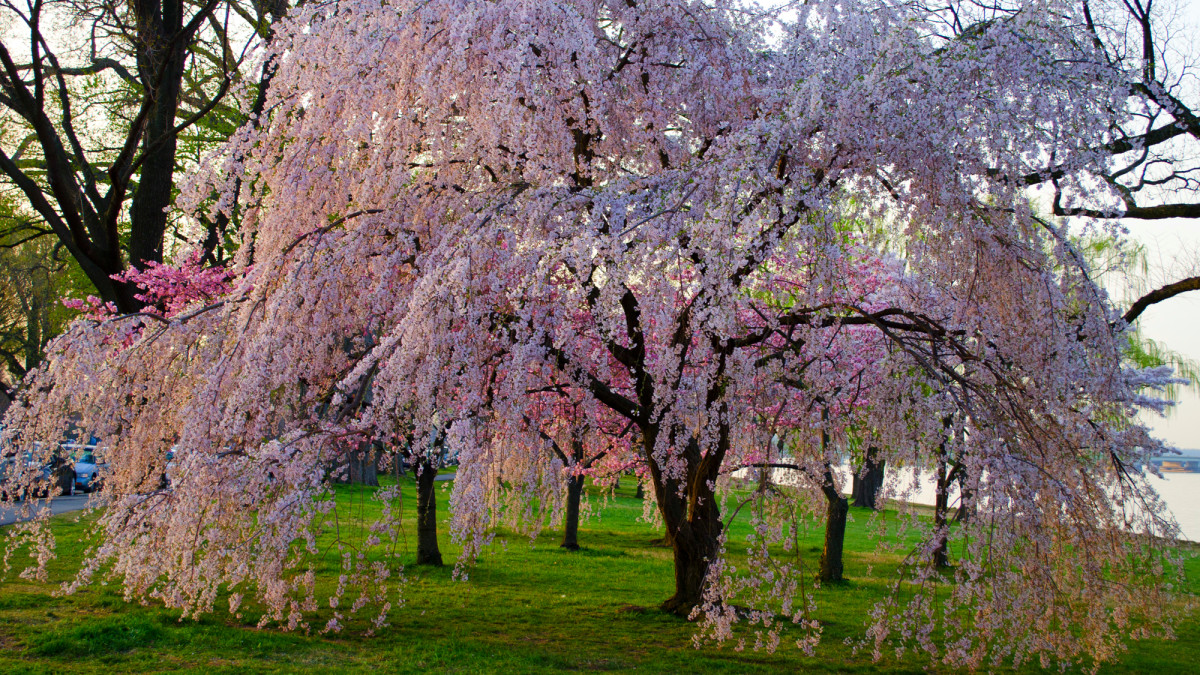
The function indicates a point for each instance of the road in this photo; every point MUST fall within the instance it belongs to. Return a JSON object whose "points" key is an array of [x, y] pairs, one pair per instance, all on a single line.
{"points": [[10, 513]]}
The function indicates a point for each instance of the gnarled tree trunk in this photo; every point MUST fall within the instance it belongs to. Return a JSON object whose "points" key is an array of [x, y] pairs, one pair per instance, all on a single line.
{"points": [[692, 519], [695, 545]]}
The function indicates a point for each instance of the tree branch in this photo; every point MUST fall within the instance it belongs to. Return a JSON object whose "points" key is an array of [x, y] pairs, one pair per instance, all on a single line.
{"points": [[1160, 294]]}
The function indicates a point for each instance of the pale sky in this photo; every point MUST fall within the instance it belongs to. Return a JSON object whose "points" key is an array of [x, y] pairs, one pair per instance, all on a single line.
{"points": [[1176, 322], [1173, 251]]}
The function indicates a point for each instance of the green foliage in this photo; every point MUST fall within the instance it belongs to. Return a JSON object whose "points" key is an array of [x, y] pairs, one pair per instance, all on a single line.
{"points": [[35, 276], [1147, 353]]}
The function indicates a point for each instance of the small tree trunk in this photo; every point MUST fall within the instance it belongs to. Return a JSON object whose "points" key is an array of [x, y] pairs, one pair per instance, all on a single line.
{"points": [[966, 503], [836, 507], [571, 526], [640, 493], [869, 481], [835, 538], [359, 468], [427, 543], [369, 458], [941, 557]]}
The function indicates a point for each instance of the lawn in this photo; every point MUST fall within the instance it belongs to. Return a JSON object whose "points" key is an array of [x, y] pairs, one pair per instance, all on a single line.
{"points": [[524, 609]]}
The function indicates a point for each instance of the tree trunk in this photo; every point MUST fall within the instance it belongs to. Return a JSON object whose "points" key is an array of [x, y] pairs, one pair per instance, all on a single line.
{"points": [[571, 526], [941, 557], [427, 543], [694, 550], [369, 457], [360, 468], [966, 501], [966, 496], [835, 538], [162, 58], [692, 520], [869, 481], [836, 507]]}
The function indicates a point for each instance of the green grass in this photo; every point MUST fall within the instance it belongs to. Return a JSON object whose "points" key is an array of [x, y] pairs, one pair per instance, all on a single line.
{"points": [[527, 609]]}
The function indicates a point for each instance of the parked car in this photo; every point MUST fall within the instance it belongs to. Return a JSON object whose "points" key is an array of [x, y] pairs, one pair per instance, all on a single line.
{"points": [[54, 476], [87, 470], [58, 475], [8, 491]]}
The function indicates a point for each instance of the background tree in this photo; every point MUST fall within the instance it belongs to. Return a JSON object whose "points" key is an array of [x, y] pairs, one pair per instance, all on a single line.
{"points": [[1148, 161], [100, 101], [34, 276]]}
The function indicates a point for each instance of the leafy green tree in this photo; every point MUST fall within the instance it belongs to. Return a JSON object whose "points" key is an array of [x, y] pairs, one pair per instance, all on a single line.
{"points": [[35, 275], [102, 103]]}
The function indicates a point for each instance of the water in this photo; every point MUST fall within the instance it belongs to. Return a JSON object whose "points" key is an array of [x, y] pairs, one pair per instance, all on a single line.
{"points": [[1180, 491]]}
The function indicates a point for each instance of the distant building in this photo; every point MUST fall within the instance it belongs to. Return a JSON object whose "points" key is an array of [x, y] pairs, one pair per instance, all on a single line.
{"points": [[1185, 461]]}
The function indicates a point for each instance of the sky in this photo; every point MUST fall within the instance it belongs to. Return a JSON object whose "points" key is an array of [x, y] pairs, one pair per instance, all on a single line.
{"points": [[1176, 322], [1173, 251]]}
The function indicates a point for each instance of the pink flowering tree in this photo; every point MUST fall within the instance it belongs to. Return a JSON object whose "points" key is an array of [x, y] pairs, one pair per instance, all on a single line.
{"points": [[164, 290], [456, 210]]}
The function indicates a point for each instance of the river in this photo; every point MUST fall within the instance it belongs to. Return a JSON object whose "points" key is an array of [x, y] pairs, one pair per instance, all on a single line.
{"points": [[1180, 491]]}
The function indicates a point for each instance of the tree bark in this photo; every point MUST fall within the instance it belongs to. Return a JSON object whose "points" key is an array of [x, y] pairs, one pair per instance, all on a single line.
{"points": [[966, 502], [941, 553], [571, 526], [162, 71], [836, 507], [427, 543], [694, 551], [869, 481], [835, 538], [692, 520], [360, 467]]}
